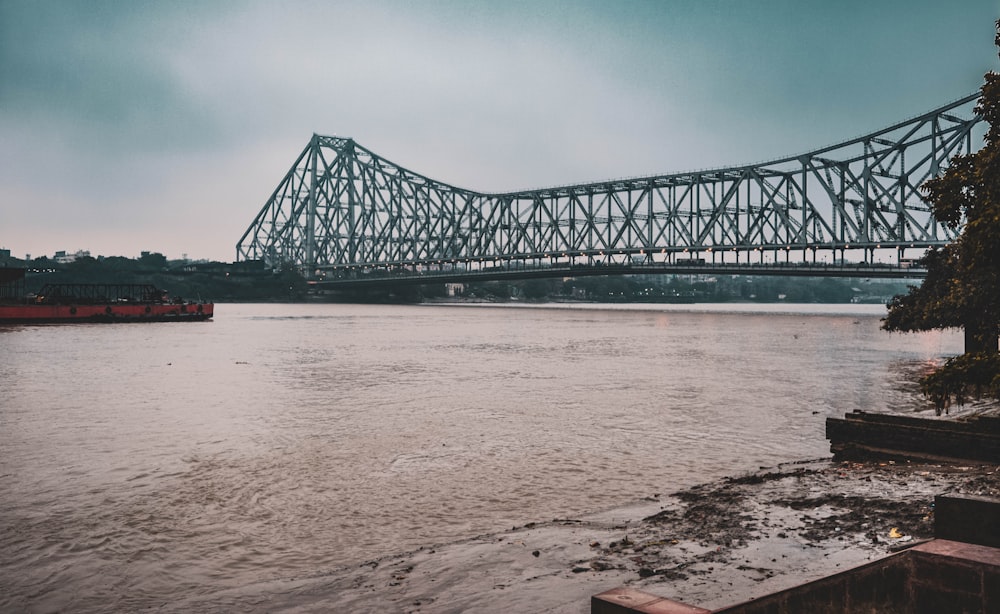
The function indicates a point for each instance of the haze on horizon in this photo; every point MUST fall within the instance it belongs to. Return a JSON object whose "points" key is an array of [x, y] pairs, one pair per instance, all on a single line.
{"points": [[165, 126]]}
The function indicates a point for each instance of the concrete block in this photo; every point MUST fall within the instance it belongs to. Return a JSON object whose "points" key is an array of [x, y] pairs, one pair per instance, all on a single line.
{"points": [[933, 600], [623, 600], [822, 598], [967, 518], [879, 587], [946, 574], [619, 600], [991, 590]]}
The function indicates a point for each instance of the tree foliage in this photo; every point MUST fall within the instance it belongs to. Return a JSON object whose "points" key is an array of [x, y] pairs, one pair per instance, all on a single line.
{"points": [[962, 288], [963, 377]]}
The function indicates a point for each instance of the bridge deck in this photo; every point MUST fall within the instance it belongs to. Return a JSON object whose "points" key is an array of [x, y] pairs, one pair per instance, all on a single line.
{"points": [[369, 278]]}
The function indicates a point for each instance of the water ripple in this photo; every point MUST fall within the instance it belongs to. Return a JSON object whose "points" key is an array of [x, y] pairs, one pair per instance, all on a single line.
{"points": [[283, 440]]}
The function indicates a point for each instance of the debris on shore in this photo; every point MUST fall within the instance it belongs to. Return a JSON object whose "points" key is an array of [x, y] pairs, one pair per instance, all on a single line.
{"points": [[713, 544]]}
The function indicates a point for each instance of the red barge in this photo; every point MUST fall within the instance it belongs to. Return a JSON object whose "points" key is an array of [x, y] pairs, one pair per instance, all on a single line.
{"points": [[56, 303]]}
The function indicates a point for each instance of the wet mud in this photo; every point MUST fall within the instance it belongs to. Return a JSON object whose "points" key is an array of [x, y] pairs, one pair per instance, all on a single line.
{"points": [[711, 545]]}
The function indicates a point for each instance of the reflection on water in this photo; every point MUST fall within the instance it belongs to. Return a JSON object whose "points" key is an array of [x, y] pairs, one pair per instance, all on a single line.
{"points": [[137, 462]]}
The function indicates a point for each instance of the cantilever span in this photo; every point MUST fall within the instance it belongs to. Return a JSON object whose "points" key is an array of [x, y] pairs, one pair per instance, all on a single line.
{"points": [[344, 212]]}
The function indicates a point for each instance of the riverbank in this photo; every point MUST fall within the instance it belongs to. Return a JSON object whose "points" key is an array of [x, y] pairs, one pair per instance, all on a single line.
{"points": [[710, 545]]}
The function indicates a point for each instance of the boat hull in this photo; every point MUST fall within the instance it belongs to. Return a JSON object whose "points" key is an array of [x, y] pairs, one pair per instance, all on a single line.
{"points": [[113, 312]]}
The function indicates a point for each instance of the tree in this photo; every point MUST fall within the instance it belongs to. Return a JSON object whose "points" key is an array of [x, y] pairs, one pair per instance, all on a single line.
{"points": [[153, 260], [962, 288]]}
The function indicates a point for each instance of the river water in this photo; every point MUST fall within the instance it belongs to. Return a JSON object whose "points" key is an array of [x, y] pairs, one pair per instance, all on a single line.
{"points": [[139, 462]]}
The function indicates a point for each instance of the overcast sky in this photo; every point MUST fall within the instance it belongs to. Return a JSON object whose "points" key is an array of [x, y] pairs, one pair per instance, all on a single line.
{"points": [[164, 126]]}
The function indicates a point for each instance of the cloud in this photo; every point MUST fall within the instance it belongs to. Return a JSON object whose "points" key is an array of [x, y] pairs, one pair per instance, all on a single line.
{"points": [[97, 73], [170, 123]]}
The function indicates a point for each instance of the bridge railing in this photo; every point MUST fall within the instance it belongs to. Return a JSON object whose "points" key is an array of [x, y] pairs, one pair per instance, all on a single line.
{"points": [[395, 275]]}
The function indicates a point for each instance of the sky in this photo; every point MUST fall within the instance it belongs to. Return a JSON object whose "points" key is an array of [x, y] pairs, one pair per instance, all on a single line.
{"points": [[165, 125]]}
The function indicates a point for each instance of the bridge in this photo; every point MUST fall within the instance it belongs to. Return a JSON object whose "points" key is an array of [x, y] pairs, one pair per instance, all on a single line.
{"points": [[345, 216]]}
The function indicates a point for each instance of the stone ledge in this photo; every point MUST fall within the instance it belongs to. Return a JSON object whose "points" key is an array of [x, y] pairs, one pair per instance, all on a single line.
{"points": [[967, 518], [935, 576], [632, 601]]}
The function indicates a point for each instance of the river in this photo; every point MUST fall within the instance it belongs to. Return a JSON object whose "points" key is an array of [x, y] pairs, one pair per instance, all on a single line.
{"points": [[143, 461]]}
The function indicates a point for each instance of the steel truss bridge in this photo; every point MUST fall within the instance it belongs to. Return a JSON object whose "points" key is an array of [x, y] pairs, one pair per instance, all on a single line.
{"points": [[345, 216]]}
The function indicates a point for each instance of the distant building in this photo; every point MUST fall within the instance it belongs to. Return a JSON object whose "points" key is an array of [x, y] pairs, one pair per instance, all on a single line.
{"points": [[63, 258]]}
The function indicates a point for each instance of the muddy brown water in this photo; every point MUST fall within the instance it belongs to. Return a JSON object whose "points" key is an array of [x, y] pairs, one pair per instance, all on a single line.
{"points": [[138, 462]]}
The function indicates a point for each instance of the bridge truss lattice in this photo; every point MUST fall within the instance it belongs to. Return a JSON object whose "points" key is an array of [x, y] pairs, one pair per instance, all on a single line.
{"points": [[341, 207]]}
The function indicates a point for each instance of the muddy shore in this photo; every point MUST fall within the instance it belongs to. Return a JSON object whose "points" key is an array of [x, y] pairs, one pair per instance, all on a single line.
{"points": [[711, 545]]}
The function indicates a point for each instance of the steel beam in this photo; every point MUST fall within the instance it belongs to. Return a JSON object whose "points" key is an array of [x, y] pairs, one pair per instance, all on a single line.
{"points": [[342, 208]]}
